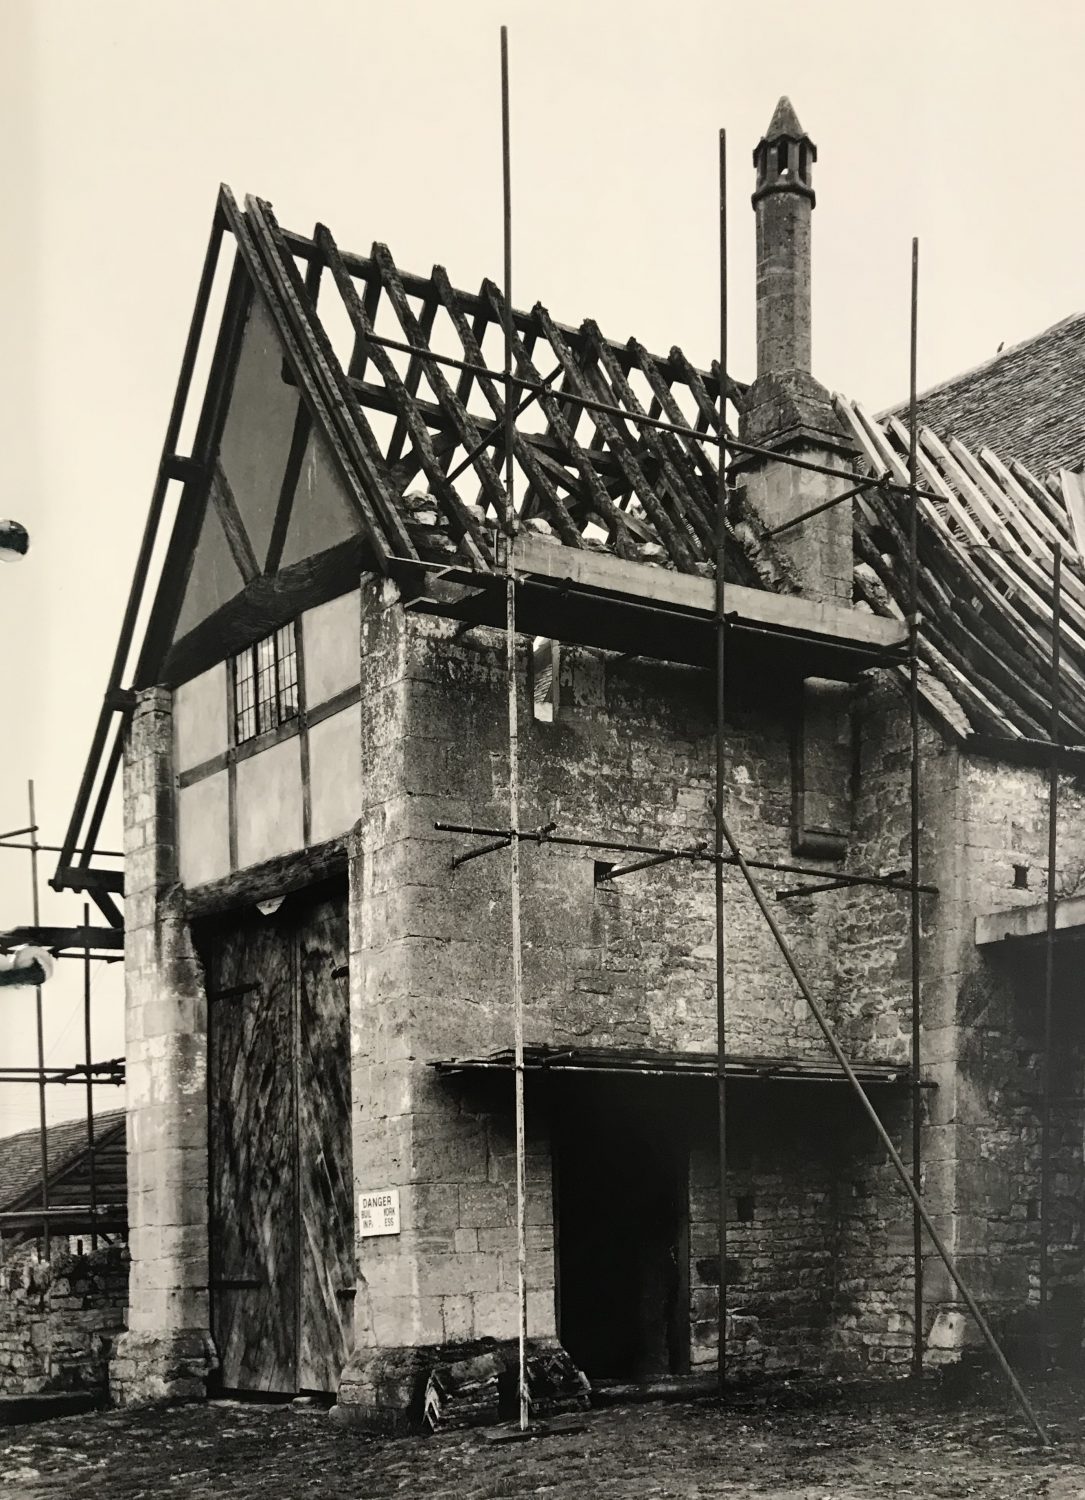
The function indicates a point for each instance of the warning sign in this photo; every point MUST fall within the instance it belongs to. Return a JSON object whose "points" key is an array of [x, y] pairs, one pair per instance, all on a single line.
{"points": [[378, 1212]]}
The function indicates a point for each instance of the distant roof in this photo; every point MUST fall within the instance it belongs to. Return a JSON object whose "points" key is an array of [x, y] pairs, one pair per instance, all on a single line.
{"points": [[1027, 403], [20, 1155]]}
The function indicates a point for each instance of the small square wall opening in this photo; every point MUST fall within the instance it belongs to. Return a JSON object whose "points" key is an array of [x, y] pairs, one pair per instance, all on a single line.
{"points": [[1020, 877]]}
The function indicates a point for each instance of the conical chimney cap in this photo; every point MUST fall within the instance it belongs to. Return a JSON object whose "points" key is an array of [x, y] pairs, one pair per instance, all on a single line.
{"points": [[784, 122]]}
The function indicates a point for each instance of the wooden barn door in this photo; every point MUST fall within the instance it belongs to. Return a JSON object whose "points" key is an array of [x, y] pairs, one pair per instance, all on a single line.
{"points": [[325, 1170], [281, 1225]]}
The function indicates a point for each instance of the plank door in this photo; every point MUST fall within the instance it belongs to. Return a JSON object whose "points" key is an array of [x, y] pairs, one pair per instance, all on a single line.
{"points": [[252, 1159], [281, 1199], [325, 1192]]}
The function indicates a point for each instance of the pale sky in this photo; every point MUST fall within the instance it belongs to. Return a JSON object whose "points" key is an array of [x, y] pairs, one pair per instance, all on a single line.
{"points": [[957, 121]]}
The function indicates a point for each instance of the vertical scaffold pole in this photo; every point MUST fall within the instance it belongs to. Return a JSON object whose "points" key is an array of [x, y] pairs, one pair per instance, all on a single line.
{"points": [[87, 1055], [721, 931], [40, 1020], [914, 925], [1049, 951], [514, 747]]}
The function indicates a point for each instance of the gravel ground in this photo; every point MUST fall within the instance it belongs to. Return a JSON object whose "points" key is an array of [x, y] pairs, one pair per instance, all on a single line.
{"points": [[799, 1440]]}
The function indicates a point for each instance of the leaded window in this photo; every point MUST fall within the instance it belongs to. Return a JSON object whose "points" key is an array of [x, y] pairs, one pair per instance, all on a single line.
{"points": [[266, 684]]}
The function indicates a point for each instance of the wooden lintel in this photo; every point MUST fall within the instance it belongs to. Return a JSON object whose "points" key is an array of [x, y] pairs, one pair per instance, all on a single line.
{"points": [[756, 607], [263, 882], [1031, 922]]}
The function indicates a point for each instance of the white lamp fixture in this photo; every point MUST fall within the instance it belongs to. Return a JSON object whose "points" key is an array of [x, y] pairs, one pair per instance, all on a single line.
{"points": [[14, 541], [26, 965]]}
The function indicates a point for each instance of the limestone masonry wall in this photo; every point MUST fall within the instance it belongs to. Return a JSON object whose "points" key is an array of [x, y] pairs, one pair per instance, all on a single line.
{"points": [[629, 756], [59, 1318]]}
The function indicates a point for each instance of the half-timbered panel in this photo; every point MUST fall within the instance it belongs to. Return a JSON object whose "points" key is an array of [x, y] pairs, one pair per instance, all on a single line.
{"points": [[330, 635], [335, 773], [269, 810], [256, 437], [200, 729], [203, 830]]}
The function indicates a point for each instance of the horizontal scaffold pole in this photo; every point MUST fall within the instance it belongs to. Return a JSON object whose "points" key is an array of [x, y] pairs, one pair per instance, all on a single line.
{"points": [[697, 855]]}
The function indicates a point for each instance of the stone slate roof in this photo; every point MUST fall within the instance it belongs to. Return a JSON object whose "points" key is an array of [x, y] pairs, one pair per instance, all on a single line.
{"points": [[1027, 403], [20, 1155]]}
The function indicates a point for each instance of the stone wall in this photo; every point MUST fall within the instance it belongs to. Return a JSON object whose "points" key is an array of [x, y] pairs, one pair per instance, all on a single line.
{"points": [[783, 1165], [630, 964], [59, 1318], [166, 1351], [1001, 1020]]}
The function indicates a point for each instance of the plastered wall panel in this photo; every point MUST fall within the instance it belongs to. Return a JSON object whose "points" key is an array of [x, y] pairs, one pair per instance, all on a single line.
{"points": [[330, 636], [335, 773], [203, 830], [199, 718], [269, 803]]}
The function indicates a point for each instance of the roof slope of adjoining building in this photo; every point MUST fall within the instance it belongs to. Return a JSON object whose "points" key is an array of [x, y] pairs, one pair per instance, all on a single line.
{"points": [[66, 1143], [986, 553], [1027, 403]]}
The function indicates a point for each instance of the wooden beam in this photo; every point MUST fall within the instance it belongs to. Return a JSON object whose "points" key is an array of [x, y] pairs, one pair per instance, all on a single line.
{"points": [[105, 938], [782, 612], [263, 882], [470, 535], [1031, 922], [266, 604]]}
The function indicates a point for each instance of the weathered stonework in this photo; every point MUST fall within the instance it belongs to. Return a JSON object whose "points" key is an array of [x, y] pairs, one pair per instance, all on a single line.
{"points": [[58, 1320], [166, 1351]]}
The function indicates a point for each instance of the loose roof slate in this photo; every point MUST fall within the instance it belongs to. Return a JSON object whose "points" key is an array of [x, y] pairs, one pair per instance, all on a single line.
{"points": [[1027, 403]]}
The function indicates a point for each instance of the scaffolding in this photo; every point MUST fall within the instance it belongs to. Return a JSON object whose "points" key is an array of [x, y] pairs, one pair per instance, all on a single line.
{"points": [[84, 944], [421, 579], [726, 848]]}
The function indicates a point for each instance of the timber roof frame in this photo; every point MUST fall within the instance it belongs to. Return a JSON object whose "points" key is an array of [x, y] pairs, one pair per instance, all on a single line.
{"points": [[614, 448]]}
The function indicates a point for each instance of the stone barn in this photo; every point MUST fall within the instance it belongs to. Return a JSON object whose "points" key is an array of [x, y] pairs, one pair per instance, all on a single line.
{"points": [[321, 1144]]}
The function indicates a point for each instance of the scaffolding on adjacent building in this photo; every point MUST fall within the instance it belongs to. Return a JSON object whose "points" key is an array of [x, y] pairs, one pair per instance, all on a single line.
{"points": [[85, 945]]}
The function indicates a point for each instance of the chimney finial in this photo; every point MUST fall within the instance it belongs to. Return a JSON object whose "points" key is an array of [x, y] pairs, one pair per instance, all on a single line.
{"points": [[782, 201]]}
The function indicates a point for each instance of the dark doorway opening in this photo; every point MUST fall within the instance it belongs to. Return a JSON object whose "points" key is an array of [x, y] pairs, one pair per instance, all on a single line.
{"points": [[281, 1223], [621, 1189]]}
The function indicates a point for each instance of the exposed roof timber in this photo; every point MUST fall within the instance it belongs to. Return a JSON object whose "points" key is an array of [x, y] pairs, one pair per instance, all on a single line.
{"points": [[986, 565], [474, 305], [987, 527]]}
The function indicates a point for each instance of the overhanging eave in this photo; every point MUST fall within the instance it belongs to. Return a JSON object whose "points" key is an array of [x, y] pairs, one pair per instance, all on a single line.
{"points": [[632, 1062]]}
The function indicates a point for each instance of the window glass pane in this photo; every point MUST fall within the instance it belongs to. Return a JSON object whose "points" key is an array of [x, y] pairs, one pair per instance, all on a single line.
{"points": [[266, 714], [286, 651], [244, 700]]}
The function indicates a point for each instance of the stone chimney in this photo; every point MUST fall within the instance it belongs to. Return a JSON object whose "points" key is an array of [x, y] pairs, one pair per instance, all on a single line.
{"points": [[785, 408]]}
